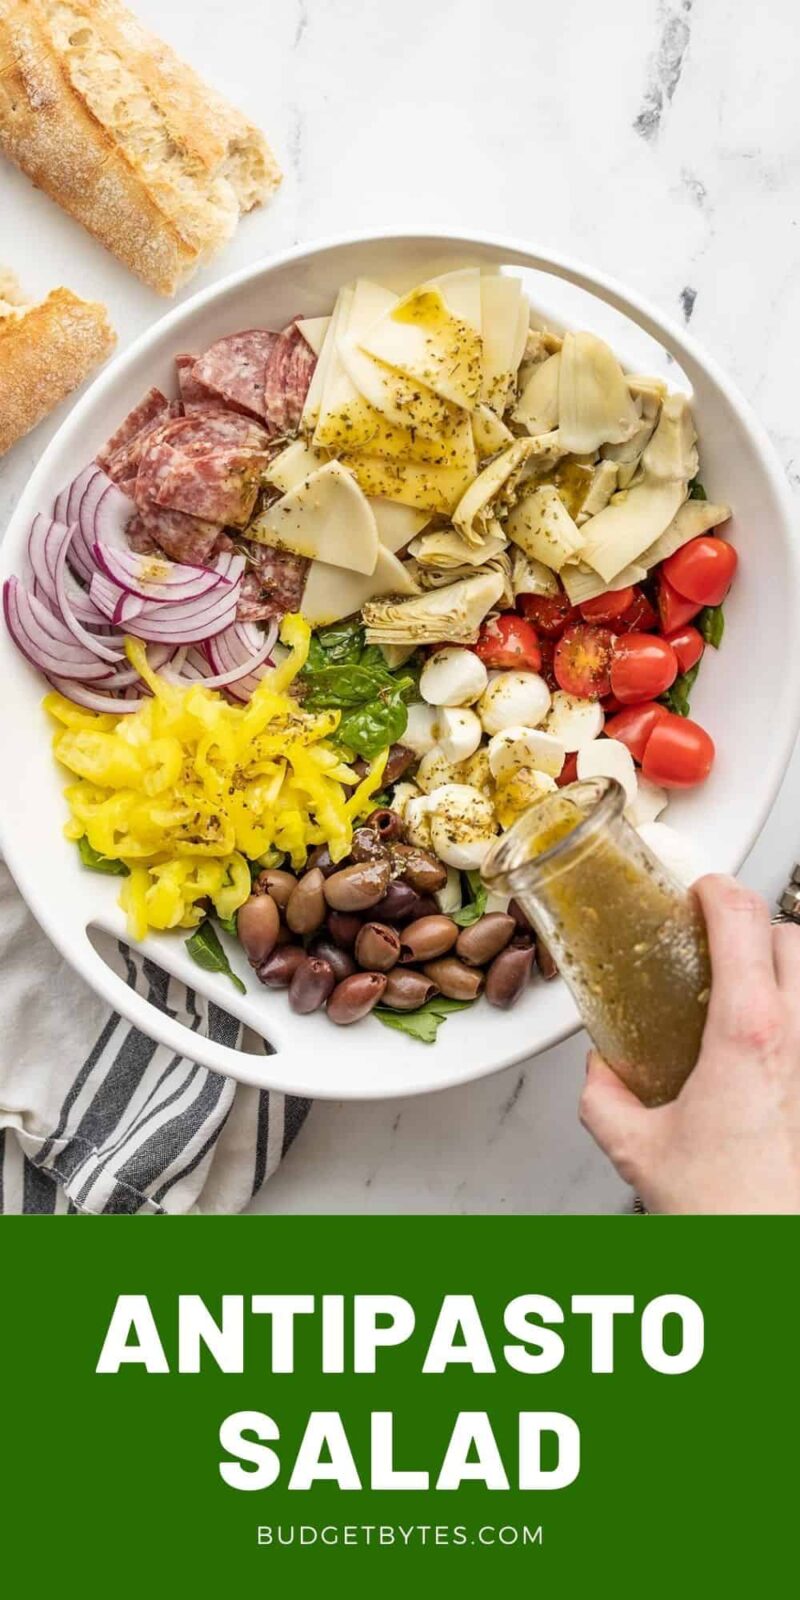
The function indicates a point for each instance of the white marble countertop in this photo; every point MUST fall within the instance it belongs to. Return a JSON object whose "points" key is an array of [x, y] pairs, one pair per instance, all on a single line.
{"points": [[656, 139]]}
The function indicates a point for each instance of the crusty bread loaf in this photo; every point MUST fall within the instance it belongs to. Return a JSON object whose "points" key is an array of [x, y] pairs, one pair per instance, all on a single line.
{"points": [[114, 126], [46, 350]]}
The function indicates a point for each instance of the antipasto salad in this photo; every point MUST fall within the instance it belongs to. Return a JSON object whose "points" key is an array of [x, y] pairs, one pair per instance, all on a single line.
{"points": [[324, 621]]}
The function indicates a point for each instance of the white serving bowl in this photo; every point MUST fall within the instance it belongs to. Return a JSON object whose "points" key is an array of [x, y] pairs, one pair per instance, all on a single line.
{"points": [[748, 696]]}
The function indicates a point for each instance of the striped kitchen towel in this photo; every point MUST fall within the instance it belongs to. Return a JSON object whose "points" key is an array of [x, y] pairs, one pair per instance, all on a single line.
{"points": [[95, 1117]]}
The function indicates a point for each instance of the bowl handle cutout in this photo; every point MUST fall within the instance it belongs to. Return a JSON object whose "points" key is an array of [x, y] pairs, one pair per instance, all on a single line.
{"points": [[259, 1068]]}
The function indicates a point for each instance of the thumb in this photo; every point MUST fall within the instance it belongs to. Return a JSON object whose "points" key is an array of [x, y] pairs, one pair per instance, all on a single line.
{"points": [[618, 1122]]}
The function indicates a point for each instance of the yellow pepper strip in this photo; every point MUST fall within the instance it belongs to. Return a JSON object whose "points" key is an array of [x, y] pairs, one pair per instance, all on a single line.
{"points": [[189, 788]]}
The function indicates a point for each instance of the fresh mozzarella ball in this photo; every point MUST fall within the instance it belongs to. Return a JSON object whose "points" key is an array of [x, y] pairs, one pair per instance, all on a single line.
{"points": [[525, 747], [649, 803], [420, 735], [478, 773], [417, 821], [574, 721], [449, 898], [401, 794], [462, 825], [518, 792], [452, 677], [514, 699], [608, 758], [673, 851], [435, 769], [458, 731]]}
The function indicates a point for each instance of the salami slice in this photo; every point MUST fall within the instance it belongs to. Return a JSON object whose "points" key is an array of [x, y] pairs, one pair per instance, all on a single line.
{"points": [[153, 405], [288, 374], [138, 537], [207, 465], [123, 463], [281, 578], [234, 368], [181, 537]]}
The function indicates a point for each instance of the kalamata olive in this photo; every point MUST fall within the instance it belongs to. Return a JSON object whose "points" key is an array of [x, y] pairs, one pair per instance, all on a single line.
{"points": [[343, 928], [257, 925], [399, 904], [276, 882], [359, 887], [305, 909], [484, 939], [398, 761], [355, 997], [428, 938], [386, 823], [279, 968], [522, 920], [312, 983], [455, 981], [427, 907], [366, 846], [406, 989], [507, 977], [377, 947], [321, 858], [340, 960], [421, 868], [544, 960], [285, 935]]}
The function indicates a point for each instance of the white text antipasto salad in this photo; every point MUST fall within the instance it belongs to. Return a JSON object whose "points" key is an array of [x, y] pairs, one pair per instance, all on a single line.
{"points": [[325, 621]]}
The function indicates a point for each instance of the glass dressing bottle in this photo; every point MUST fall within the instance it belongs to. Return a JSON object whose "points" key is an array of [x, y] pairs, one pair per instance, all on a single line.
{"points": [[629, 941]]}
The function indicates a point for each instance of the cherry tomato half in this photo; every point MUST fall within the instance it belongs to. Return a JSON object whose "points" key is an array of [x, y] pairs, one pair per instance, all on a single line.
{"points": [[688, 645], [550, 614], [703, 569], [607, 607], [569, 771], [679, 753], [547, 649], [640, 616], [634, 725], [509, 642], [674, 610], [642, 667], [582, 660]]}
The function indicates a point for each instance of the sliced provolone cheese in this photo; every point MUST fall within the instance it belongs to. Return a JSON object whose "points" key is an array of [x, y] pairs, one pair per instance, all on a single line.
{"points": [[461, 292], [424, 339], [397, 525], [327, 517], [332, 593], [500, 299], [293, 464], [319, 377], [412, 483], [400, 399], [314, 330]]}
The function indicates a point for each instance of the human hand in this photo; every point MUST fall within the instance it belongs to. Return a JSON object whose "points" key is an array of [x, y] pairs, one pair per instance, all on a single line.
{"points": [[730, 1142]]}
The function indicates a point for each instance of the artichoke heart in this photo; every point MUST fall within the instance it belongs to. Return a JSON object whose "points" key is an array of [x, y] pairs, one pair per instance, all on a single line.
{"points": [[475, 516], [601, 488], [537, 406], [489, 432], [672, 453], [582, 584], [446, 548], [543, 528], [454, 613], [529, 576], [595, 406]]}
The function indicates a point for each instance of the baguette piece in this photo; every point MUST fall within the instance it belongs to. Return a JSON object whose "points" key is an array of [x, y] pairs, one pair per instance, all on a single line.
{"points": [[114, 126], [46, 350]]}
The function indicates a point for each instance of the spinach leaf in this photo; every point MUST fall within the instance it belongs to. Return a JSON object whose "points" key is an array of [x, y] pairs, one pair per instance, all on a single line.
{"points": [[424, 1023], [92, 859], [696, 490], [342, 642], [228, 924], [711, 623], [368, 729], [677, 697], [205, 949], [476, 906], [338, 687]]}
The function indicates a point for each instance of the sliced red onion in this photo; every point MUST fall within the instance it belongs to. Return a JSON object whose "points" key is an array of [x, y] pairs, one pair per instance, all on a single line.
{"points": [[95, 702], [177, 581], [236, 654], [185, 625], [106, 652], [45, 639], [116, 606]]}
